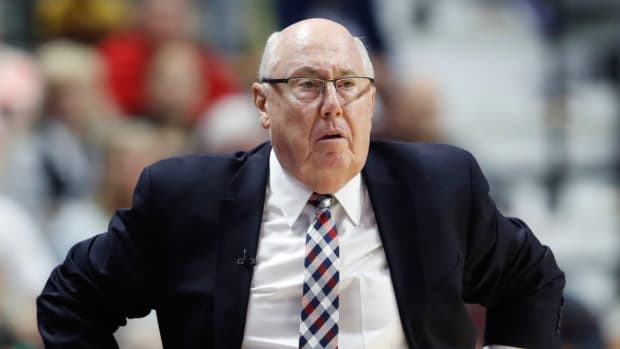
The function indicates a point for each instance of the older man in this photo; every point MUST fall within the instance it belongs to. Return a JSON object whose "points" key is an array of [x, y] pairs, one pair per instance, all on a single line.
{"points": [[319, 239]]}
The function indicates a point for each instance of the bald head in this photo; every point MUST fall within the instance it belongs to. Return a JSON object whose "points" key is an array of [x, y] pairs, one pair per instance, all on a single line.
{"points": [[311, 34]]}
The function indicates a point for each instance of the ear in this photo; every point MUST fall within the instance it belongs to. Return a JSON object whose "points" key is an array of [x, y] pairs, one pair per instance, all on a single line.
{"points": [[260, 101], [264, 120]]}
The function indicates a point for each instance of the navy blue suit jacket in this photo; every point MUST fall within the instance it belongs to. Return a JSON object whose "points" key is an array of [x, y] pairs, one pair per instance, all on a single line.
{"points": [[177, 249]]}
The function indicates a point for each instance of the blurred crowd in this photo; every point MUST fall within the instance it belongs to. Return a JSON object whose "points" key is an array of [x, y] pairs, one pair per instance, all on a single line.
{"points": [[92, 91]]}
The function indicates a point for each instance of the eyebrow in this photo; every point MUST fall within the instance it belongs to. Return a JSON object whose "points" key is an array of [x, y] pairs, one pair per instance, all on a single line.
{"points": [[311, 71]]}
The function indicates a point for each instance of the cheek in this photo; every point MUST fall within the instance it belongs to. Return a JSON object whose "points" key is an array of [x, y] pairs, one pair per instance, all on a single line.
{"points": [[360, 128], [299, 123], [362, 140], [292, 127]]}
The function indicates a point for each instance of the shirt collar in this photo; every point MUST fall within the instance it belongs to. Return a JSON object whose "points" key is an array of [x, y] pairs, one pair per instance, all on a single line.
{"points": [[291, 195]]}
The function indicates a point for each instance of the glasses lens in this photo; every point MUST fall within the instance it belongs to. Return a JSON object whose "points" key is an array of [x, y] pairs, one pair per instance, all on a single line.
{"points": [[306, 89], [351, 88]]}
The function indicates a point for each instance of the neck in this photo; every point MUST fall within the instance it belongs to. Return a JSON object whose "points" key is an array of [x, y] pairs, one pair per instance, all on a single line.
{"points": [[325, 183]]}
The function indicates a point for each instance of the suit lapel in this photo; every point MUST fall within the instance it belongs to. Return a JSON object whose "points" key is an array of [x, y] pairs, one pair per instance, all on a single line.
{"points": [[395, 207], [238, 233]]}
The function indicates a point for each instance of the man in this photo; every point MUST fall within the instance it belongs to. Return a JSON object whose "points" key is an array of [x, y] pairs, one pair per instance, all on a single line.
{"points": [[229, 253]]}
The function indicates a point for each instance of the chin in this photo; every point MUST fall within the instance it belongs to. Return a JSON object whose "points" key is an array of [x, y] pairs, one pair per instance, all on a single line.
{"points": [[336, 161]]}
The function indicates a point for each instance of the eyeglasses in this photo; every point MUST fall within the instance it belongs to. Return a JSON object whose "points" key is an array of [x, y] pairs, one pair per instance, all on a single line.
{"points": [[310, 89]]}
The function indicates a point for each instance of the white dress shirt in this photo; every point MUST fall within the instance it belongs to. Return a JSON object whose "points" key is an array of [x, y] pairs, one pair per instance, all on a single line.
{"points": [[368, 312]]}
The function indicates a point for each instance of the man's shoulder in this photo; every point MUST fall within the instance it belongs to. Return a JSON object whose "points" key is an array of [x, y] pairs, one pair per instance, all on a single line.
{"points": [[190, 163], [420, 153], [436, 167], [206, 165]]}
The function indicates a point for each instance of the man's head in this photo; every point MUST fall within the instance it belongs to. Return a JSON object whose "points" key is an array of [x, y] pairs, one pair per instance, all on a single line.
{"points": [[321, 139], [21, 93]]}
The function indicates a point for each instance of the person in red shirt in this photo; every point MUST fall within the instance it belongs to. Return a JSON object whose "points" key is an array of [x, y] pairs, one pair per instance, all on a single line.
{"points": [[128, 56]]}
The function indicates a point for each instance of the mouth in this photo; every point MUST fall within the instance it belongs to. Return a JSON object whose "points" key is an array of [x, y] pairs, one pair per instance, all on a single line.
{"points": [[329, 136]]}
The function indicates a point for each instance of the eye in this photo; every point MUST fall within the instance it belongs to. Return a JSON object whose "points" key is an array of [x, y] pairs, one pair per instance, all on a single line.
{"points": [[346, 83], [307, 83]]}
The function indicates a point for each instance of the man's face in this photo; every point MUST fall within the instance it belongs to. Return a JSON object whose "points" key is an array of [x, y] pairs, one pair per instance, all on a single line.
{"points": [[324, 142]]}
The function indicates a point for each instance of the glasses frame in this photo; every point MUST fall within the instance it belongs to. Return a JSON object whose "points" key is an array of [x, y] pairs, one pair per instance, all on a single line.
{"points": [[324, 81]]}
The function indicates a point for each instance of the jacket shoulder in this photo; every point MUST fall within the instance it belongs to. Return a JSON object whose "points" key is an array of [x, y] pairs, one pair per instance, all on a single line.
{"points": [[420, 155], [211, 172]]}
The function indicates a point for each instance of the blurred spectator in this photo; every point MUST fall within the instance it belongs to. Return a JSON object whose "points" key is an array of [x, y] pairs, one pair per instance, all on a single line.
{"points": [[128, 55], [21, 97], [25, 261], [238, 28], [21, 93], [174, 89], [232, 124], [128, 146], [76, 94], [62, 157], [411, 112], [25, 264], [232, 26], [82, 20]]}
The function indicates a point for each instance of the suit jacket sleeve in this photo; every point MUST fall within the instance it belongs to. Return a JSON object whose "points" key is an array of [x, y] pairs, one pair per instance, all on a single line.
{"points": [[103, 280], [509, 272]]}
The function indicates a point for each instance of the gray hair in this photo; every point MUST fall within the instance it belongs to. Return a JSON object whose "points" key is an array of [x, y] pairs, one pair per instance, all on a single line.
{"points": [[266, 64]]}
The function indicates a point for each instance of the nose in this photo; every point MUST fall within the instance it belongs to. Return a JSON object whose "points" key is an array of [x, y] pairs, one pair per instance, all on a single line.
{"points": [[331, 106]]}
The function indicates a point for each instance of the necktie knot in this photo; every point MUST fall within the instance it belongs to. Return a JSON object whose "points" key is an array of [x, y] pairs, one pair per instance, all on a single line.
{"points": [[321, 201]]}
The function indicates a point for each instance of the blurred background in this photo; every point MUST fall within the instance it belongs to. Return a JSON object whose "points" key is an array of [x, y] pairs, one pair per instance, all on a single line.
{"points": [[91, 91]]}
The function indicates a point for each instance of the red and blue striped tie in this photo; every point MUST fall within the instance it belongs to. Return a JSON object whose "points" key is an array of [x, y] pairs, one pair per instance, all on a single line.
{"points": [[319, 314]]}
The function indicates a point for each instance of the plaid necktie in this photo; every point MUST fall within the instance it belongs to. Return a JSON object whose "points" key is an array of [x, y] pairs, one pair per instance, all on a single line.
{"points": [[319, 314]]}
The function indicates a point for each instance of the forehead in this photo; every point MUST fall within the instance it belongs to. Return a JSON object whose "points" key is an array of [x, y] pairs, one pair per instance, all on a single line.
{"points": [[317, 53]]}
